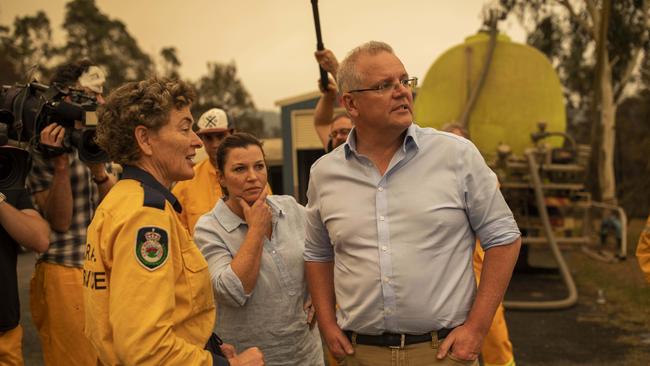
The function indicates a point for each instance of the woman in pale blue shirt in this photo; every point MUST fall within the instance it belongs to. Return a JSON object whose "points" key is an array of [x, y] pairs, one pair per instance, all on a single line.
{"points": [[254, 248]]}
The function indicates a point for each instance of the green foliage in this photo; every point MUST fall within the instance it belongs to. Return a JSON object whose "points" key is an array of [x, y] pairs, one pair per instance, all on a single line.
{"points": [[564, 31], [222, 88], [27, 52], [633, 150], [570, 47], [170, 62], [92, 34]]}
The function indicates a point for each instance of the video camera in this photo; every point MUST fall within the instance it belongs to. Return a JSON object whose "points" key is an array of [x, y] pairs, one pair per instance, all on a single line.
{"points": [[25, 109]]}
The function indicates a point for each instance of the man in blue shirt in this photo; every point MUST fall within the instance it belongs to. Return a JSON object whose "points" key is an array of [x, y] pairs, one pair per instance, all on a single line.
{"points": [[393, 216]]}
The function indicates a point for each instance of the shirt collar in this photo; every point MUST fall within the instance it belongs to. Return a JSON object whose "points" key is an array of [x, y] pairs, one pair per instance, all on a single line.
{"points": [[142, 176], [410, 141], [230, 221]]}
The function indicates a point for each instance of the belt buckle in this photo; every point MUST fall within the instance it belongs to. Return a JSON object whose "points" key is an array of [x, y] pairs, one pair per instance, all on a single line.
{"points": [[402, 339]]}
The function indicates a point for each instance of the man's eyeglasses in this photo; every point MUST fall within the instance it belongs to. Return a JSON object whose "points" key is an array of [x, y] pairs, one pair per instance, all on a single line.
{"points": [[409, 83], [343, 132]]}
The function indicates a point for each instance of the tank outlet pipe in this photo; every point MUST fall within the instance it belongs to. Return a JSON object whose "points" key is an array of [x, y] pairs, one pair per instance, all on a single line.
{"points": [[572, 298]]}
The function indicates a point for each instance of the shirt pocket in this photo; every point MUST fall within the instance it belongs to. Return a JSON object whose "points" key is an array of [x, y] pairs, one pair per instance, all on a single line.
{"points": [[198, 279]]}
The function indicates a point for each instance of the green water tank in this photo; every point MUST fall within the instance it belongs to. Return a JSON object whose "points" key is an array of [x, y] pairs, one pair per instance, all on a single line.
{"points": [[520, 90]]}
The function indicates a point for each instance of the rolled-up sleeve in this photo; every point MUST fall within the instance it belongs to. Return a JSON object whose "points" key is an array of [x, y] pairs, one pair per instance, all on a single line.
{"points": [[228, 288], [317, 241], [487, 210]]}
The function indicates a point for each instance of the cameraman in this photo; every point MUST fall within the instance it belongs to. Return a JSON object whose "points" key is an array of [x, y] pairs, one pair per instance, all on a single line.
{"points": [[20, 224], [66, 191]]}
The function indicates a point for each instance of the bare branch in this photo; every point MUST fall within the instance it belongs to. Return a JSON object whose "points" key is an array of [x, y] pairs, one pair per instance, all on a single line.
{"points": [[582, 22], [627, 74], [636, 56], [593, 12]]}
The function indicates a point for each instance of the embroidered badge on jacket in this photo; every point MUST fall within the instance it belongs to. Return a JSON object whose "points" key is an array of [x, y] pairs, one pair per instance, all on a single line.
{"points": [[151, 247]]}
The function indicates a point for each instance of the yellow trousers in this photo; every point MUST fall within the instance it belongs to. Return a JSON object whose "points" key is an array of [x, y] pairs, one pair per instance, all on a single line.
{"points": [[56, 301], [11, 347], [497, 348]]}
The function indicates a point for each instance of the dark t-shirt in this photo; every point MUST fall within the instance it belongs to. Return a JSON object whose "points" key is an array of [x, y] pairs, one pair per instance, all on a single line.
{"points": [[9, 305]]}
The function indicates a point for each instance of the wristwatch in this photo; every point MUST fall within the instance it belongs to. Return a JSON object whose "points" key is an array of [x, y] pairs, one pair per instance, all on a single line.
{"points": [[3, 198]]}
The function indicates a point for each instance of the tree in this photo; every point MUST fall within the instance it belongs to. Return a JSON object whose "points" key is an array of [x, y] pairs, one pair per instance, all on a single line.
{"points": [[170, 62], [222, 88], [595, 46], [92, 34], [26, 52]]}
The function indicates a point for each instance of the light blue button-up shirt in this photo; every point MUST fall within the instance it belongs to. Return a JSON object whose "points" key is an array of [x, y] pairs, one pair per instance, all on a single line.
{"points": [[271, 317], [402, 243]]}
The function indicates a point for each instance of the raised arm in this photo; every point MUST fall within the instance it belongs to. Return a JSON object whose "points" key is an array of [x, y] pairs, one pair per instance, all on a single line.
{"points": [[324, 112], [234, 275], [56, 201], [326, 104]]}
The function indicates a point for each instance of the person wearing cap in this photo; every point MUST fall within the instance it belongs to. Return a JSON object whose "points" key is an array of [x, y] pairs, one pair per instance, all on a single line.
{"points": [[66, 191], [199, 195]]}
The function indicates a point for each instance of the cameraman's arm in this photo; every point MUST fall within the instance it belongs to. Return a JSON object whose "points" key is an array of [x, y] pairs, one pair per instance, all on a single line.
{"points": [[25, 226], [102, 178], [56, 202]]}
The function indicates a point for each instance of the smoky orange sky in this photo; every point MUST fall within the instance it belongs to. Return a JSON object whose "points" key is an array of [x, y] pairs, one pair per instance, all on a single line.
{"points": [[272, 41]]}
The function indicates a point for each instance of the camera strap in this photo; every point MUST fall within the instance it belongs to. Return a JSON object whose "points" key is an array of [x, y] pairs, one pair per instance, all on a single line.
{"points": [[18, 113]]}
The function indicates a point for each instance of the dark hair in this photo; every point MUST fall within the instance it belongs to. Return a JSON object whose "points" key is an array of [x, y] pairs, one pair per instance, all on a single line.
{"points": [[67, 74], [148, 103], [234, 141]]}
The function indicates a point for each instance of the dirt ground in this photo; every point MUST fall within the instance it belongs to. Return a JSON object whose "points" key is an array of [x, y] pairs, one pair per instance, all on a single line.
{"points": [[614, 333]]}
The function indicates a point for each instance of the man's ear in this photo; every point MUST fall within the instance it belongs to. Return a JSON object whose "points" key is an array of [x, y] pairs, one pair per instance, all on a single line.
{"points": [[350, 104], [143, 138]]}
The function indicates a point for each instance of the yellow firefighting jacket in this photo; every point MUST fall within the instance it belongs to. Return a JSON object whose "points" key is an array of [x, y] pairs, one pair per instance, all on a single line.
{"points": [[147, 292], [643, 250]]}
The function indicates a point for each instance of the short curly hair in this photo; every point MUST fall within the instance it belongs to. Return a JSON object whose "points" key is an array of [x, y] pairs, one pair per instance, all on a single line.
{"points": [[144, 103]]}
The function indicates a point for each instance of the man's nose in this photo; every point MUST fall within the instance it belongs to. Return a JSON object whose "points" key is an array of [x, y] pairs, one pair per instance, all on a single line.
{"points": [[400, 90]]}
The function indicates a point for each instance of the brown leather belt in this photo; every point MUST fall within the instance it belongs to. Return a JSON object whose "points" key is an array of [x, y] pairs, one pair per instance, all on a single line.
{"points": [[394, 339]]}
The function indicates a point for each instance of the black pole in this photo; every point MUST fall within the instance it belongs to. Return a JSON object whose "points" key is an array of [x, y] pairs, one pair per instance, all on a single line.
{"points": [[324, 81]]}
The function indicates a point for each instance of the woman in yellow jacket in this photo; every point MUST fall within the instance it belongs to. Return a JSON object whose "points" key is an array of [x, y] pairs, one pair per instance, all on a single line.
{"points": [[147, 292]]}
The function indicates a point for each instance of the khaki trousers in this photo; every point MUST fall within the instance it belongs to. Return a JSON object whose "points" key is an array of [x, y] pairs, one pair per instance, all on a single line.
{"points": [[419, 354], [11, 347], [57, 305]]}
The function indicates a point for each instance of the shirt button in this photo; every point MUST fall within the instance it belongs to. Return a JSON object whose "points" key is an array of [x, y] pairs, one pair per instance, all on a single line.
{"points": [[291, 293], [382, 218], [273, 251], [384, 248], [380, 189]]}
